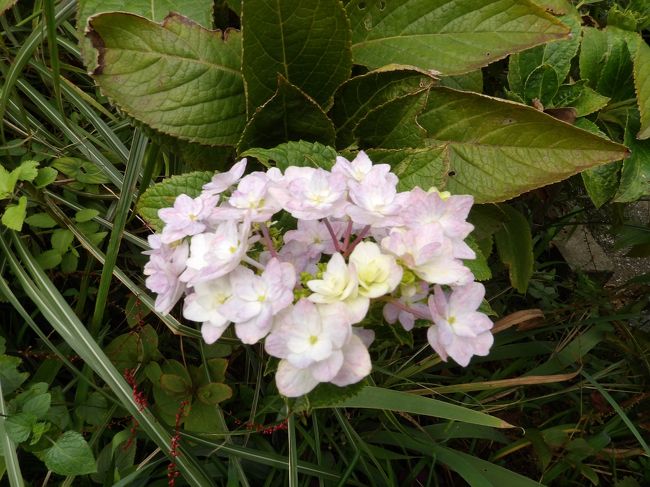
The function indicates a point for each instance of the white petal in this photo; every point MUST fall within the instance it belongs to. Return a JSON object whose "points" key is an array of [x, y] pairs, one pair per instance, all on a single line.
{"points": [[294, 382], [326, 370], [356, 363], [212, 333]]}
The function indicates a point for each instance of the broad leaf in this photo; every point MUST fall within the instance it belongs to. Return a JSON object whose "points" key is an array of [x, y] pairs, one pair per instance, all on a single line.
{"points": [[41, 220], [498, 149], [307, 42], [289, 115], [379, 398], [478, 266], [554, 55], [635, 173], [357, 97], [213, 393], [83, 171], [606, 64], [14, 215], [601, 182], [199, 11], [27, 171], [642, 84], [10, 377], [472, 81], [299, 153], [19, 426], [541, 84], [425, 167], [70, 455], [515, 245], [177, 77], [393, 125], [581, 97], [163, 194], [450, 36]]}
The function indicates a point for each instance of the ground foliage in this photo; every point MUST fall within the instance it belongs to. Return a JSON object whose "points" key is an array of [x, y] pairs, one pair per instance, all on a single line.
{"points": [[495, 98]]}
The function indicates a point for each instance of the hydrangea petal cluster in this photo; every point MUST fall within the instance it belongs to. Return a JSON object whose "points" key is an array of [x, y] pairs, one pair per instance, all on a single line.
{"points": [[357, 242]]}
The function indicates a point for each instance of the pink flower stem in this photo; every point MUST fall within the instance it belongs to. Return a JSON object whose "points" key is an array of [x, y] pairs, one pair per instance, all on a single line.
{"points": [[337, 246], [357, 240], [348, 234], [267, 239], [398, 304]]}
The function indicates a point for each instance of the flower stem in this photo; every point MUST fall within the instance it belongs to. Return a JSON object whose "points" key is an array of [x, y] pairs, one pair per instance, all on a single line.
{"points": [[348, 234], [357, 240], [267, 239], [399, 304], [337, 247]]}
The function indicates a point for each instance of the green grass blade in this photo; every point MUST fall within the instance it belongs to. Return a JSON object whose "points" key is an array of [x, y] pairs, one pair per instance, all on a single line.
{"points": [[133, 167], [378, 398], [293, 452], [66, 9], [172, 323], [62, 318], [71, 131], [53, 48], [624, 417], [140, 242], [86, 105], [6, 291], [227, 450], [9, 449]]}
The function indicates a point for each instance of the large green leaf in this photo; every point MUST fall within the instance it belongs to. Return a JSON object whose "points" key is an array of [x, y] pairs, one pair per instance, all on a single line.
{"points": [[601, 182], [606, 64], [379, 398], [199, 11], [289, 115], [642, 85], [357, 97], [393, 125], [424, 167], [307, 42], [177, 77], [450, 36], [498, 149], [635, 173], [556, 55], [70, 455]]}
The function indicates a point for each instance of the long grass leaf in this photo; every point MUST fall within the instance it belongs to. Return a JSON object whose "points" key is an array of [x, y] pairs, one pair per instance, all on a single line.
{"points": [[70, 130], [66, 9], [86, 105], [293, 452], [224, 449], [172, 323], [9, 449], [619, 410], [133, 167], [378, 398], [53, 48], [67, 324]]}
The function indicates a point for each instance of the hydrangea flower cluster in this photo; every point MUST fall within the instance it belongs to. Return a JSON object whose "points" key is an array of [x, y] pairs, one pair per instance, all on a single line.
{"points": [[357, 242]]}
